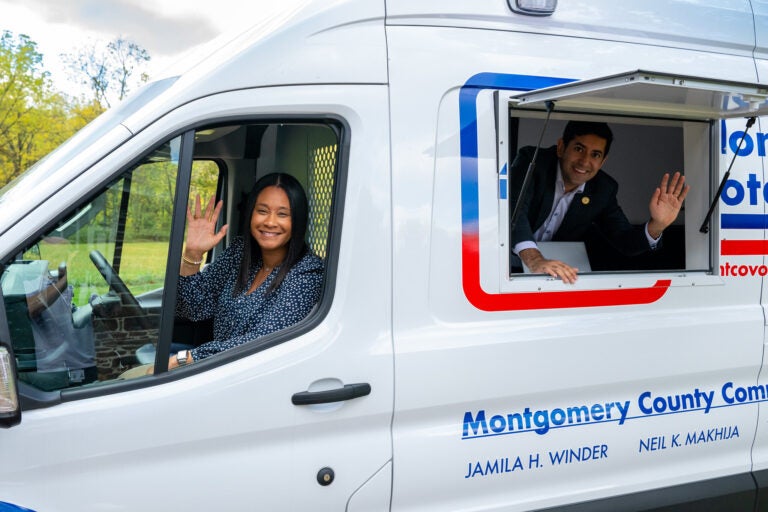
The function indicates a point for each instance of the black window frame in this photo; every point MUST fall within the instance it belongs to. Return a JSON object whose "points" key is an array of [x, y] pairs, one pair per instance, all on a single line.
{"points": [[33, 398]]}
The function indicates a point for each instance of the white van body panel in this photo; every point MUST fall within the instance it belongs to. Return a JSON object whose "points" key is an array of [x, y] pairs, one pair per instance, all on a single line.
{"points": [[452, 368], [311, 42], [760, 10], [231, 435], [452, 358], [708, 25]]}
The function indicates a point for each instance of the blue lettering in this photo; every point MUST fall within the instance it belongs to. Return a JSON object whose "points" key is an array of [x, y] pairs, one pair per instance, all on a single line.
{"points": [[761, 139], [498, 423], [675, 403], [732, 142], [557, 417], [734, 192], [732, 199], [583, 454], [732, 395], [577, 412], [753, 184], [541, 420], [641, 403], [735, 138], [475, 424], [515, 418], [722, 136]]}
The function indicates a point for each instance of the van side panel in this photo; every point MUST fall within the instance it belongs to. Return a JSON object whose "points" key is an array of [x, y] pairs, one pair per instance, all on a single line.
{"points": [[710, 25], [760, 10], [754, 171], [521, 410]]}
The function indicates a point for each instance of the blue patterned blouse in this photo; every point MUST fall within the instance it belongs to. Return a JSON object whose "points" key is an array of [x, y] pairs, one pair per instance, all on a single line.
{"points": [[243, 318]]}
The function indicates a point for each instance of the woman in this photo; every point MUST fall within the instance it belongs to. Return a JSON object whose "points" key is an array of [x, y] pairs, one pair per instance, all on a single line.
{"points": [[260, 284]]}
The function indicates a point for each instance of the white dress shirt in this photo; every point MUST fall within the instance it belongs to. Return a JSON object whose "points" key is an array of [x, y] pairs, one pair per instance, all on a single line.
{"points": [[560, 204]]}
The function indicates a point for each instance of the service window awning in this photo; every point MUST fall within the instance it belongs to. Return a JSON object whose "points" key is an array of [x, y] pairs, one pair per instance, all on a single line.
{"points": [[647, 93]]}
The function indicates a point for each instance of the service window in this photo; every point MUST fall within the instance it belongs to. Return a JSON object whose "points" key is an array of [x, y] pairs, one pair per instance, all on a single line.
{"points": [[660, 124], [642, 151], [93, 300]]}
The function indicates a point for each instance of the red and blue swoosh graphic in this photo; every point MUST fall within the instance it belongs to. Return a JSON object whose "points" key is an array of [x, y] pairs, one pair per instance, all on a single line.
{"points": [[470, 235]]}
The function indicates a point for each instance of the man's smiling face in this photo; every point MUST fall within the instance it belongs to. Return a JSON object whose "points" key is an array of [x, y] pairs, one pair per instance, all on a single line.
{"points": [[580, 159]]}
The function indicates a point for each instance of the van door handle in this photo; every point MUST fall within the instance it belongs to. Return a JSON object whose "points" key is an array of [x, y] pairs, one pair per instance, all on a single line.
{"points": [[348, 392]]}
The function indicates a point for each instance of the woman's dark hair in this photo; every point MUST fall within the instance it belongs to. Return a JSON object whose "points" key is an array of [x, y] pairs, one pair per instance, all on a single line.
{"points": [[297, 247]]}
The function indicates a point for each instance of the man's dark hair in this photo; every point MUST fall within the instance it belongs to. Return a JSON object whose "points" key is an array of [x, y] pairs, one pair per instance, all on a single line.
{"points": [[297, 248], [577, 128]]}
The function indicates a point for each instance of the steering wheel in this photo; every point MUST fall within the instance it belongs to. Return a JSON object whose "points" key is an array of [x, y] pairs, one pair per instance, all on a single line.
{"points": [[113, 280]]}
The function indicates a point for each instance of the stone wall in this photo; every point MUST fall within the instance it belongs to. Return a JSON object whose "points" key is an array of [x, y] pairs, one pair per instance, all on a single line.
{"points": [[119, 330]]}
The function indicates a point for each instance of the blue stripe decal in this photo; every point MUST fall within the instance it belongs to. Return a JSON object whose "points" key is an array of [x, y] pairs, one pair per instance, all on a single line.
{"points": [[468, 132], [8, 507], [743, 221], [503, 183]]}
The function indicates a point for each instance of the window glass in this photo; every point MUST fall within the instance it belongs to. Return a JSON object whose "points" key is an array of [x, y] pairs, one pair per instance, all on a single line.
{"points": [[85, 300], [589, 230], [86, 297], [205, 179], [214, 314]]}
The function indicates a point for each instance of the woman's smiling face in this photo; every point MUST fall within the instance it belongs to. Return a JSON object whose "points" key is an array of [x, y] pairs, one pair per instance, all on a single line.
{"points": [[271, 221]]}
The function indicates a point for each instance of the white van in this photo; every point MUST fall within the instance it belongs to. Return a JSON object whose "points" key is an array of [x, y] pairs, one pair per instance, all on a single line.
{"points": [[429, 376]]}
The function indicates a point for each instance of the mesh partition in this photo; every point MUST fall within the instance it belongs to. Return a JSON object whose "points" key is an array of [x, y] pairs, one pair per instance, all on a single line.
{"points": [[320, 196]]}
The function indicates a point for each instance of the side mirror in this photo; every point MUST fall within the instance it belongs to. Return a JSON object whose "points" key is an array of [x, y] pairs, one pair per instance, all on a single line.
{"points": [[10, 411]]}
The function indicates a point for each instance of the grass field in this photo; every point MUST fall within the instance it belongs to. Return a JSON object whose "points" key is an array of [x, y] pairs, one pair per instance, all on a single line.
{"points": [[142, 268]]}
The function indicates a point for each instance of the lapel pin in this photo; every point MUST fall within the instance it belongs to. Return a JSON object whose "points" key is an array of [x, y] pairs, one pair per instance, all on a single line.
{"points": [[585, 200]]}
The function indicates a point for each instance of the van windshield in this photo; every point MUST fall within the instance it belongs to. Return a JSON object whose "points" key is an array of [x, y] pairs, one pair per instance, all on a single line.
{"points": [[97, 128]]}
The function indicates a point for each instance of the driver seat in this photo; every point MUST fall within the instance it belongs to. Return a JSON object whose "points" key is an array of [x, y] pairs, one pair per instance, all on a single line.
{"points": [[51, 352]]}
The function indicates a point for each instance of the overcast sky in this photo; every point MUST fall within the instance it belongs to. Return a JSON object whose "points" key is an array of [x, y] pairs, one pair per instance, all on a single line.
{"points": [[165, 28]]}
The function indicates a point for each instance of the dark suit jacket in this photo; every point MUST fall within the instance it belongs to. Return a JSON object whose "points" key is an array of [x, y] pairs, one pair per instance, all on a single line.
{"points": [[596, 207]]}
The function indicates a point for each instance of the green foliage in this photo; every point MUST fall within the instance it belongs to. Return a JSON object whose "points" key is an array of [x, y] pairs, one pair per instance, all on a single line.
{"points": [[142, 269], [31, 113], [34, 118], [205, 177]]}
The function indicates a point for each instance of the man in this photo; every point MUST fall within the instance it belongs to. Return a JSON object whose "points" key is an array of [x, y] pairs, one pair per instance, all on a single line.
{"points": [[569, 194]]}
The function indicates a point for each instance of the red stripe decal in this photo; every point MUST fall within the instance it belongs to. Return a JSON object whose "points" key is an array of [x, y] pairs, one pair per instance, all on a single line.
{"points": [[743, 247], [547, 300]]}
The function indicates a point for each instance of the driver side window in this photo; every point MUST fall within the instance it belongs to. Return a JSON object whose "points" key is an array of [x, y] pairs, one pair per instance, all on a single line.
{"points": [[84, 301]]}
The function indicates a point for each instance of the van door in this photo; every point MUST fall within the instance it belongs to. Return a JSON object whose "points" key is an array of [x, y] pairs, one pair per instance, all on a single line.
{"points": [[749, 258], [519, 392], [298, 419]]}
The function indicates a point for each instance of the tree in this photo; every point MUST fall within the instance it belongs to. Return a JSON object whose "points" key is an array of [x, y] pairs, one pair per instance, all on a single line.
{"points": [[30, 112], [35, 119], [110, 72]]}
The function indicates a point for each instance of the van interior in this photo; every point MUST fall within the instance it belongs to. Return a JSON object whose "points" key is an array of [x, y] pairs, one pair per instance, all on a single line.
{"points": [[643, 149]]}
